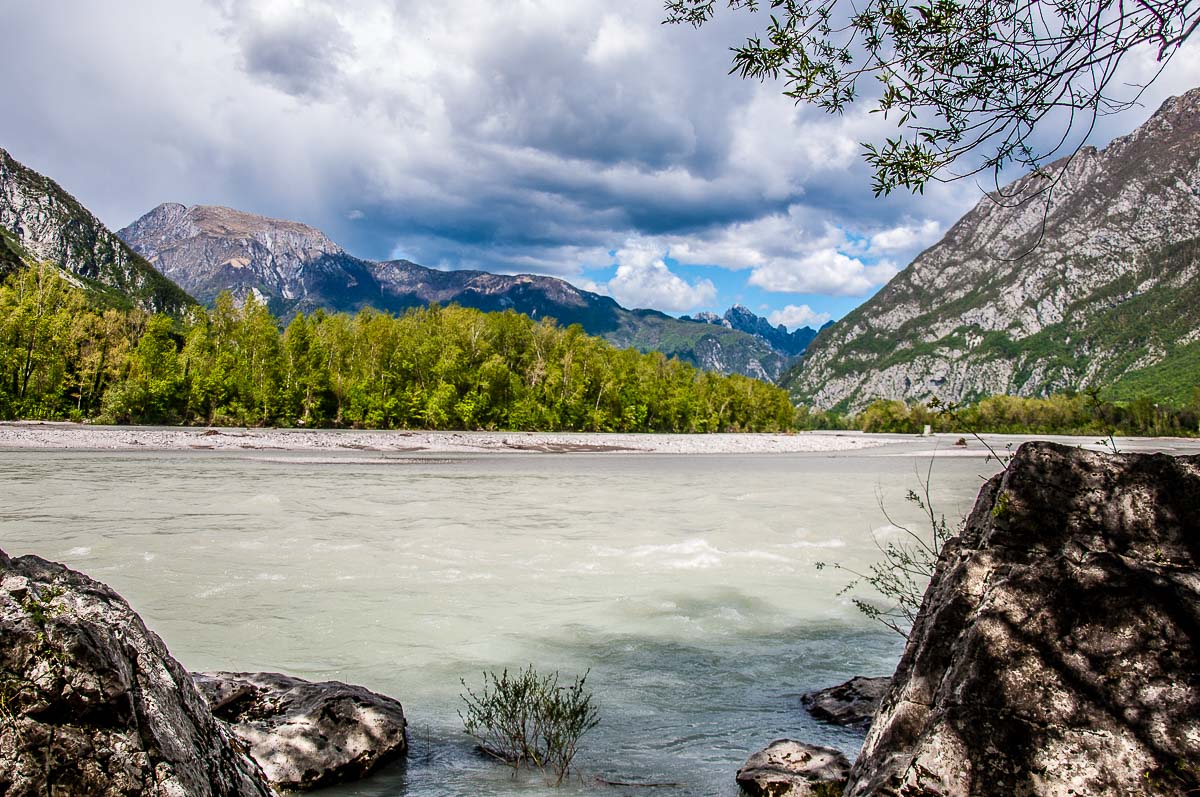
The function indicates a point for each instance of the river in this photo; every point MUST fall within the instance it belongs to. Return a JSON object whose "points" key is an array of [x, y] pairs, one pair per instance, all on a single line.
{"points": [[686, 585]]}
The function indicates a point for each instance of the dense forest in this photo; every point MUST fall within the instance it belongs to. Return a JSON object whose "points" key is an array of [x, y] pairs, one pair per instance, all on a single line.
{"points": [[63, 357], [432, 368]]}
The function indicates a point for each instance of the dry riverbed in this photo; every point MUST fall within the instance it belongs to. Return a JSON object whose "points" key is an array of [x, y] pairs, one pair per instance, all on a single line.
{"points": [[73, 436], [83, 437]]}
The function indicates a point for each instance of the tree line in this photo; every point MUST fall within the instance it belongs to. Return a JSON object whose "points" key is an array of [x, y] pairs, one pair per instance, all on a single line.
{"points": [[1075, 413], [430, 368]]}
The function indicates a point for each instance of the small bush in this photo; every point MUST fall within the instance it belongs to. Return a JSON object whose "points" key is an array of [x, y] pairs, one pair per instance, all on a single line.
{"points": [[528, 718]]}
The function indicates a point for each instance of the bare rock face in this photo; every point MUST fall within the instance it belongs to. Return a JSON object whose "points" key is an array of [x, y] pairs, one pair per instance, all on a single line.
{"points": [[1058, 648], [304, 734], [794, 769], [93, 705], [852, 703]]}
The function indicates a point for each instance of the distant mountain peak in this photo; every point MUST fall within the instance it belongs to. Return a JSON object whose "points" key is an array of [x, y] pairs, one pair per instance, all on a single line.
{"points": [[743, 319], [296, 268]]}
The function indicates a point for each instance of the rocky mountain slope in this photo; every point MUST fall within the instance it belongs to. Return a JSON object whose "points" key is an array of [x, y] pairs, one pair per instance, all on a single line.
{"points": [[295, 268], [40, 220], [1100, 287]]}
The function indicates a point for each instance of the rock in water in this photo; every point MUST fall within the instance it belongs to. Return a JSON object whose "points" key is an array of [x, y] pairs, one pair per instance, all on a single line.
{"points": [[794, 769], [852, 703], [1058, 646], [93, 705], [304, 734]]}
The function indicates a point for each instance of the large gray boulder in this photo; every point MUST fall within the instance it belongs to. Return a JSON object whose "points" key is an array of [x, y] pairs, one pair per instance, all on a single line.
{"points": [[91, 703], [787, 768], [1057, 650], [304, 734]]}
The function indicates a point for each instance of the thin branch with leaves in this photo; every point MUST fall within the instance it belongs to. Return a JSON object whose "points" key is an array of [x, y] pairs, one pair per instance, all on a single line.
{"points": [[903, 573], [960, 78]]}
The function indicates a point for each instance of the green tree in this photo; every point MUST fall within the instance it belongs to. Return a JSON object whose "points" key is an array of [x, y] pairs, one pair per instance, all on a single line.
{"points": [[154, 389], [960, 77], [38, 312]]}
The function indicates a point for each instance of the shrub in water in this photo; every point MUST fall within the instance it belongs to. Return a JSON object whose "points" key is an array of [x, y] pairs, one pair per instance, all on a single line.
{"points": [[529, 718]]}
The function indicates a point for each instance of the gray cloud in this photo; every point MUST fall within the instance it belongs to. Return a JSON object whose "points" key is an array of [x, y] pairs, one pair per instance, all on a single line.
{"points": [[532, 136], [299, 52]]}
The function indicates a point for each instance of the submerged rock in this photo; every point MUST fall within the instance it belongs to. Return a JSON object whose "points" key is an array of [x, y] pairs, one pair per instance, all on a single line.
{"points": [[787, 768], [93, 705], [1058, 646], [852, 703], [305, 734]]}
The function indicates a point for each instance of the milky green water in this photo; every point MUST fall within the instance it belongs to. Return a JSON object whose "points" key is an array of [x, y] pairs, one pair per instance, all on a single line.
{"points": [[687, 585]]}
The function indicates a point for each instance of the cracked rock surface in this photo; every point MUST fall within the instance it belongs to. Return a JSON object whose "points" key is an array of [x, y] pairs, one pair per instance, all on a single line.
{"points": [[1057, 651], [93, 705], [304, 734]]}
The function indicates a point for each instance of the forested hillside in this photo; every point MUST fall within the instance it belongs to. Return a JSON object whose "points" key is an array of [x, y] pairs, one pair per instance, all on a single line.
{"points": [[434, 368]]}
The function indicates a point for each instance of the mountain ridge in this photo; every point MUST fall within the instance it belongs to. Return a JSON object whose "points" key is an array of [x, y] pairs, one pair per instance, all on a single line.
{"points": [[295, 268], [1025, 298]]}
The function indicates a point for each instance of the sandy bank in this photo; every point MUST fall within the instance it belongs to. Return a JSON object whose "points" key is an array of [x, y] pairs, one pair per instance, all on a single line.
{"points": [[75, 436]]}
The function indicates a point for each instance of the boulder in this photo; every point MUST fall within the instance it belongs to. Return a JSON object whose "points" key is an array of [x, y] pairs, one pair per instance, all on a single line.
{"points": [[93, 705], [1058, 645], [304, 734], [852, 703], [794, 769]]}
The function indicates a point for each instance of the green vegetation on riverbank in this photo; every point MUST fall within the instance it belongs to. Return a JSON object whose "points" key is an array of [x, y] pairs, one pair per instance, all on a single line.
{"points": [[1069, 413], [61, 357]]}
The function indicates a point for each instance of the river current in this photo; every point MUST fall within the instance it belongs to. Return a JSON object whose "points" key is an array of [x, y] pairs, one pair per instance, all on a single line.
{"points": [[686, 585]]}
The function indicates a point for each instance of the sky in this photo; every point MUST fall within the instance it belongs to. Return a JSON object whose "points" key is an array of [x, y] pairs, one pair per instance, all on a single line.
{"points": [[576, 138]]}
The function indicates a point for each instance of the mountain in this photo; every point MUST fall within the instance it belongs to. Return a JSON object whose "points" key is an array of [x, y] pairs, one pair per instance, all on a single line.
{"points": [[1098, 287], [743, 319], [42, 221], [295, 268]]}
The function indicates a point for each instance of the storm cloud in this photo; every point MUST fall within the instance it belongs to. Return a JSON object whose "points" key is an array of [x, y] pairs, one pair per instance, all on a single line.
{"points": [[578, 138]]}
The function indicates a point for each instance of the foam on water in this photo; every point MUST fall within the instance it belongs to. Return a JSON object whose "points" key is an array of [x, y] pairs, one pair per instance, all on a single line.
{"points": [[685, 584]]}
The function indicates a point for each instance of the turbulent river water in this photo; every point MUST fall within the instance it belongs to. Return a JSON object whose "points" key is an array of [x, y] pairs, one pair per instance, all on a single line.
{"points": [[687, 585]]}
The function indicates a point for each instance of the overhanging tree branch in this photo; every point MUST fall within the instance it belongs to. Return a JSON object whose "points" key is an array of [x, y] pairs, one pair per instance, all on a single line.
{"points": [[962, 78]]}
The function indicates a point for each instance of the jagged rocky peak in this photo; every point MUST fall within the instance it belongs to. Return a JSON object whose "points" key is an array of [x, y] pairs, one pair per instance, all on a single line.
{"points": [[711, 318], [1035, 291]]}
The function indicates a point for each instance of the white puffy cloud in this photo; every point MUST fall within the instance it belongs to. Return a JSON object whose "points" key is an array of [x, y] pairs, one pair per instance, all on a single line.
{"points": [[644, 280], [825, 271], [907, 237], [796, 316]]}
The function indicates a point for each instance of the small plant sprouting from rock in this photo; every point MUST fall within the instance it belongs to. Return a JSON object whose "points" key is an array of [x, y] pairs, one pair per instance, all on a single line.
{"points": [[527, 718], [903, 574]]}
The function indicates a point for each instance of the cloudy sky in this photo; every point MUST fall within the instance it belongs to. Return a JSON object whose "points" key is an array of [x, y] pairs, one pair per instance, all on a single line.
{"points": [[577, 138]]}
